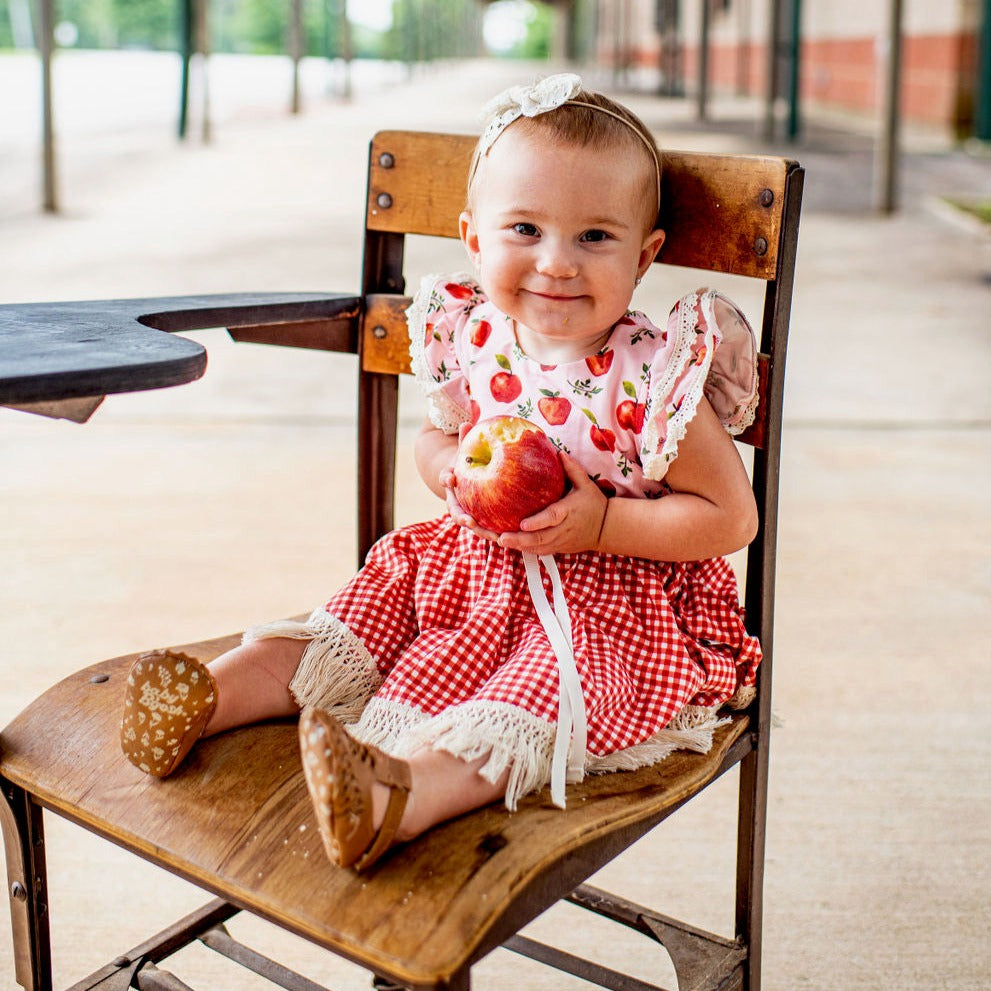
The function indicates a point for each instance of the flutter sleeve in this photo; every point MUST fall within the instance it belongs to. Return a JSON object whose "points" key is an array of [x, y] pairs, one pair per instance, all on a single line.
{"points": [[710, 350], [436, 318]]}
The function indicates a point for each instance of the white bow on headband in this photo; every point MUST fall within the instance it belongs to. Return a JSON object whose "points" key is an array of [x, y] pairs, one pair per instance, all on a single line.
{"points": [[532, 101], [526, 101]]}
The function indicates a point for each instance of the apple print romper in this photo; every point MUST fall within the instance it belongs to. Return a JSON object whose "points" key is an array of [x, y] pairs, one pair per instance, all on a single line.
{"points": [[436, 641]]}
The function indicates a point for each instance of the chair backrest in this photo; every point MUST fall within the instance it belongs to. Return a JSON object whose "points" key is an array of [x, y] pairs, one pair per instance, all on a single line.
{"points": [[731, 214]]}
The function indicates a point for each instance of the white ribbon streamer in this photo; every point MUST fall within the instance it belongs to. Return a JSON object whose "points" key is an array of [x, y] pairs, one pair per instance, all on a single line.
{"points": [[570, 742]]}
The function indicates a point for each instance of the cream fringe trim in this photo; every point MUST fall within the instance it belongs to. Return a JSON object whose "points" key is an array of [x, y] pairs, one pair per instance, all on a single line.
{"points": [[336, 672], [506, 735], [691, 729], [513, 739]]}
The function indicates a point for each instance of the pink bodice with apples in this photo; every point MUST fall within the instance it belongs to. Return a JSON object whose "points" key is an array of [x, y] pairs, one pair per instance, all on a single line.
{"points": [[621, 412], [436, 642]]}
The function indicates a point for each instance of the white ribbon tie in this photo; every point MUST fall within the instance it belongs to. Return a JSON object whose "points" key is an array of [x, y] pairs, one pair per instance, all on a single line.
{"points": [[571, 738]]}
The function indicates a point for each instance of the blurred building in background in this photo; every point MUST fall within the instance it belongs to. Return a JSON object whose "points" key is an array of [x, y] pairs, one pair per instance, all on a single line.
{"points": [[830, 55]]}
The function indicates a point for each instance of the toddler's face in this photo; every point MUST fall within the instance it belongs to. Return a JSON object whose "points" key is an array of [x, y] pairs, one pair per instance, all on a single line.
{"points": [[557, 236]]}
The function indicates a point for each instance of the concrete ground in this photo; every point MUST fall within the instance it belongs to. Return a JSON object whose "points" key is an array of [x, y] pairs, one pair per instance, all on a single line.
{"points": [[198, 510]]}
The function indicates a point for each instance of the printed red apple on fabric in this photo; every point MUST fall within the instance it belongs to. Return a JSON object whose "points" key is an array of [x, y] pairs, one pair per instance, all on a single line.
{"points": [[505, 386], [481, 330], [599, 364], [629, 413], [506, 470], [602, 437], [554, 407]]}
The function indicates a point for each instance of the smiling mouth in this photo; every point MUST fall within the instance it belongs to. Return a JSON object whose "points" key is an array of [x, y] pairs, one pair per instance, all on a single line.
{"points": [[554, 297]]}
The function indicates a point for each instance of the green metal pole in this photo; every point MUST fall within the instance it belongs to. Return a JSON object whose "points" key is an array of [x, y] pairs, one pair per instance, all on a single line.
{"points": [[794, 116], [295, 46], [702, 94], [887, 153], [771, 96], [983, 122], [186, 51], [46, 48]]}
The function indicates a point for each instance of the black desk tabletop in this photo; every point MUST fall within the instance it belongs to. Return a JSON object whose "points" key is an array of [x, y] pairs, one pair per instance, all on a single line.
{"points": [[56, 351]]}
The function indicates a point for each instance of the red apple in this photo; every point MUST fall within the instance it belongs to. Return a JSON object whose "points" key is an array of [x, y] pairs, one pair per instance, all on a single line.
{"points": [[459, 291], [506, 470], [505, 387], [480, 332], [603, 439], [630, 415], [599, 364], [554, 408]]}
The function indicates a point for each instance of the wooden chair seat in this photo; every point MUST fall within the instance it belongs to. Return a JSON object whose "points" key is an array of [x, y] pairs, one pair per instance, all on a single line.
{"points": [[247, 831]]}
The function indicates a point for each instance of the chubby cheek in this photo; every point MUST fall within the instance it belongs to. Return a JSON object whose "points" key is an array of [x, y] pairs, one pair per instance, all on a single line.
{"points": [[501, 284]]}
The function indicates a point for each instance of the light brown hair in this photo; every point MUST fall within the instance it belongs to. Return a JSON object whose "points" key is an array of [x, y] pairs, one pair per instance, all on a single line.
{"points": [[591, 120]]}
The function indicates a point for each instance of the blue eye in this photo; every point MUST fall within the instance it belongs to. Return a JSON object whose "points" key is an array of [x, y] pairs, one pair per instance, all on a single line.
{"points": [[525, 230]]}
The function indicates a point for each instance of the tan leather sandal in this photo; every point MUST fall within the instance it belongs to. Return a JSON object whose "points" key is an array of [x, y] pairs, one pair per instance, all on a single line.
{"points": [[340, 773], [167, 703]]}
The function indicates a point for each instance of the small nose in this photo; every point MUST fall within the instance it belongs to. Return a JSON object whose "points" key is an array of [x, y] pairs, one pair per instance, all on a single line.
{"points": [[556, 259]]}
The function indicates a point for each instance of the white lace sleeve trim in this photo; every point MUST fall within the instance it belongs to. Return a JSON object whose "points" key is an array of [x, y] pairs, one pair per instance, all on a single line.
{"points": [[444, 413], [725, 375], [658, 456]]}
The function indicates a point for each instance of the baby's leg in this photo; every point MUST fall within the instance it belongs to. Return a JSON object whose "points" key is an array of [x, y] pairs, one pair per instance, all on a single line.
{"points": [[253, 682], [171, 699], [366, 800], [442, 786]]}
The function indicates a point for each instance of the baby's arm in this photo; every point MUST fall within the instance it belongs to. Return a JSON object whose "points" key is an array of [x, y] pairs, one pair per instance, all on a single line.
{"points": [[711, 511], [434, 453]]}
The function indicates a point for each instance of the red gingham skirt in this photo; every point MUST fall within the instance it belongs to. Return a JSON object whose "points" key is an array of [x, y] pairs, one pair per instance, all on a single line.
{"points": [[448, 618]]}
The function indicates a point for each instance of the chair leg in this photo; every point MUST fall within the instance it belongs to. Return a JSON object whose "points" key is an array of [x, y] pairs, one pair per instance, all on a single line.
{"points": [[27, 887], [459, 983], [751, 837]]}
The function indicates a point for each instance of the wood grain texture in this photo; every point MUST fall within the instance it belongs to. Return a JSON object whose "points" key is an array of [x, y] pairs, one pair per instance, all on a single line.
{"points": [[385, 335], [236, 819], [721, 212], [54, 351]]}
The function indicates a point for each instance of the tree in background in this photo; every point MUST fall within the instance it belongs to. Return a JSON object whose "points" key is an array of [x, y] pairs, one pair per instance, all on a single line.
{"points": [[423, 30], [249, 26], [536, 43]]}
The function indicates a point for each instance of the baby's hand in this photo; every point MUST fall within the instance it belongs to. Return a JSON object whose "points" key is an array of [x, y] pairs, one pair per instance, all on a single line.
{"points": [[569, 525], [456, 510]]}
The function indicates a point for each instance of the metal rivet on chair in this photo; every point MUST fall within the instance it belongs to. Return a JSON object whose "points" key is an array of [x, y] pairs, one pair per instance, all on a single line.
{"points": [[120, 962], [766, 197], [387, 160], [379, 333], [99, 679], [760, 246], [18, 891], [384, 200]]}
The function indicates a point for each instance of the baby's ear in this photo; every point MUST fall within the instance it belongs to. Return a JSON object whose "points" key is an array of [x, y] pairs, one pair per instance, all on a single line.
{"points": [[469, 236], [652, 243]]}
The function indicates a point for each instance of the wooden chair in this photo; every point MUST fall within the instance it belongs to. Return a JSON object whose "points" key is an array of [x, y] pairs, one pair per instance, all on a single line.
{"points": [[424, 916]]}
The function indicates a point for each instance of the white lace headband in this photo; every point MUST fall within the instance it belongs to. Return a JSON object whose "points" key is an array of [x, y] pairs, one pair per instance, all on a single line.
{"points": [[532, 101]]}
